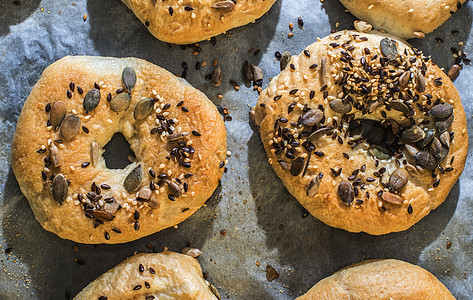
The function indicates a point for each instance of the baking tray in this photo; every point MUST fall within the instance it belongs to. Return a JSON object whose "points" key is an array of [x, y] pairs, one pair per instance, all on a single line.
{"points": [[264, 224]]}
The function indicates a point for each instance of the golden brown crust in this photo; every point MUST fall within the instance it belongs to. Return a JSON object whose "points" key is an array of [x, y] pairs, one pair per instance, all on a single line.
{"points": [[403, 18], [68, 220], [198, 22], [379, 279], [165, 275], [372, 215]]}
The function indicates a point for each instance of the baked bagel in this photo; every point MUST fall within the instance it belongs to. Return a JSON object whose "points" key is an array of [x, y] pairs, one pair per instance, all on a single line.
{"points": [[165, 275], [78, 104], [186, 22], [379, 279], [366, 132], [407, 18]]}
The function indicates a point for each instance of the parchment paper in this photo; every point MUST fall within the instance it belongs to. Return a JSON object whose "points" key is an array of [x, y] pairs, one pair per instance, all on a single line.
{"points": [[264, 224]]}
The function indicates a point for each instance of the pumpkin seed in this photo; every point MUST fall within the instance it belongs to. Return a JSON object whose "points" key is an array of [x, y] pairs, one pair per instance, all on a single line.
{"points": [[339, 106], [441, 111], [144, 194], [102, 215], [388, 48], [443, 124], [91, 100], [175, 189], [70, 127], [412, 134], [313, 187], [297, 166], [54, 155], [429, 135], [120, 102], [312, 117], [443, 153], [400, 106], [345, 192], [60, 188], [420, 82], [398, 179], [445, 138], [379, 152], [286, 57], [94, 153], [133, 180], [425, 160], [257, 72], [216, 78], [320, 132], [435, 147], [411, 149], [129, 79], [404, 80], [224, 6], [176, 136], [392, 198], [144, 108], [57, 113]]}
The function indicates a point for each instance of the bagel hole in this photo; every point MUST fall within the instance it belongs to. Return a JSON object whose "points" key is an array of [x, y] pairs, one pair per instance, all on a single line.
{"points": [[117, 152]]}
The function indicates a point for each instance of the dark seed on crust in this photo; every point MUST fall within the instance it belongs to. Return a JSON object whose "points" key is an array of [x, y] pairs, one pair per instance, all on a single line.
{"points": [[339, 106], [57, 113], [388, 48], [297, 166], [441, 111], [426, 160], [443, 124], [420, 82], [320, 132], [312, 117], [120, 102], [91, 100], [398, 179], [286, 166], [137, 287], [346, 192], [70, 127], [136, 226], [412, 134], [409, 209], [133, 180], [144, 108], [392, 198], [60, 188], [129, 78]]}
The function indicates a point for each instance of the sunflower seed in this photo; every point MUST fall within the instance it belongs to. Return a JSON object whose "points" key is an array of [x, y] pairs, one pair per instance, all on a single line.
{"points": [[144, 194], [57, 113], [102, 215], [133, 180], [91, 100], [425, 160], [398, 179], [286, 57], [429, 135], [379, 152], [323, 70], [286, 166], [404, 80], [129, 79], [176, 136], [247, 74], [175, 189], [412, 134], [313, 187], [224, 6], [297, 166], [144, 108], [120, 102], [441, 111], [411, 149], [420, 82], [339, 106], [312, 117], [60, 188], [54, 155], [70, 127], [94, 153], [400, 106], [388, 48], [435, 147], [443, 125], [445, 138], [362, 26], [193, 252], [257, 72], [320, 132], [345, 192], [392, 198], [216, 78], [454, 72]]}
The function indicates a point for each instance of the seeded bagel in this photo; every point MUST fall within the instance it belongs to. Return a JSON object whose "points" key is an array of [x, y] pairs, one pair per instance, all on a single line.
{"points": [[165, 275], [78, 104], [379, 279], [186, 22], [407, 18], [367, 133]]}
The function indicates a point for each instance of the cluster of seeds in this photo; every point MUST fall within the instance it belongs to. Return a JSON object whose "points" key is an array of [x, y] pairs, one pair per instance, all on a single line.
{"points": [[102, 208], [383, 102]]}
